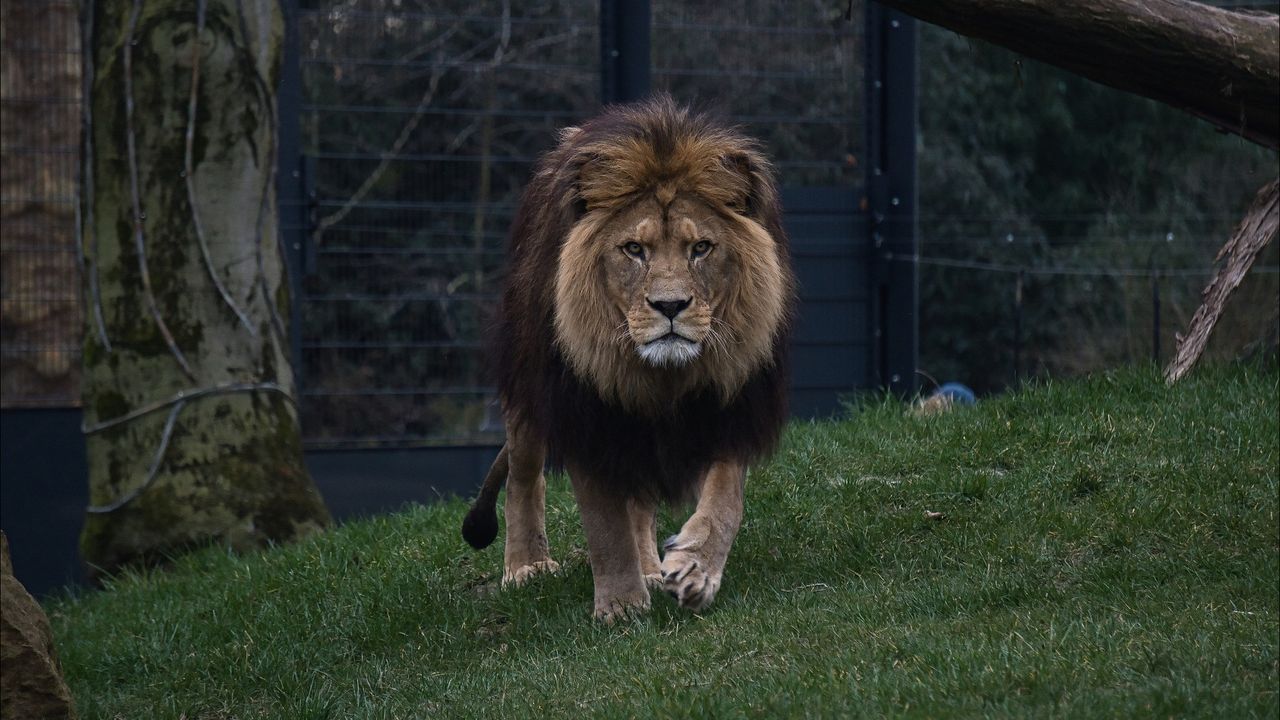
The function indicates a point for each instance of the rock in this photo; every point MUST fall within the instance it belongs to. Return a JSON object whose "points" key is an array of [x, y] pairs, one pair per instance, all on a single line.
{"points": [[31, 685]]}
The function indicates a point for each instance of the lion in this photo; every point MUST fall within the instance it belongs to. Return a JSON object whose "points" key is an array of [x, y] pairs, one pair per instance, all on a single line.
{"points": [[641, 345]]}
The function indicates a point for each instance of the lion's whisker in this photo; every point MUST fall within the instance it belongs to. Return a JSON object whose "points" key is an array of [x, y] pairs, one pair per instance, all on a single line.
{"points": [[621, 333], [715, 339], [731, 338]]}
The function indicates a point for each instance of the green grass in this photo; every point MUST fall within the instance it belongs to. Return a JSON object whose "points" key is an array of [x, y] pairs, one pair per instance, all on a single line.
{"points": [[1109, 548]]}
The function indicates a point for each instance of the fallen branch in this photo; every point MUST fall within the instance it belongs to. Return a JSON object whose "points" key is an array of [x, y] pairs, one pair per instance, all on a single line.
{"points": [[1217, 64], [1252, 235]]}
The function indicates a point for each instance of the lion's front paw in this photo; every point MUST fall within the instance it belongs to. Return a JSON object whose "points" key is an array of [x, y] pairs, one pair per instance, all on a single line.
{"points": [[653, 581], [689, 580], [622, 607], [515, 577]]}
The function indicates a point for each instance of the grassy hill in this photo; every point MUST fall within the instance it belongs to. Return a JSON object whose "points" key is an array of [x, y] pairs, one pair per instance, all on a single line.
{"points": [[1105, 548]]}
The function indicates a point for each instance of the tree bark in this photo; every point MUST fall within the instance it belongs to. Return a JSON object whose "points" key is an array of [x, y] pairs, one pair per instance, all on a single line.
{"points": [[1220, 65], [192, 431], [1256, 230]]}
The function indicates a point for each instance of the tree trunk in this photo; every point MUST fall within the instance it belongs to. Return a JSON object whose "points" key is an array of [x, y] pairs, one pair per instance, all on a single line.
{"points": [[191, 425], [1220, 65]]}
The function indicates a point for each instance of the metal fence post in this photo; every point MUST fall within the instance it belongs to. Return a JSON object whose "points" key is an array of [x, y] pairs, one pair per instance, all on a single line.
{"points": [[291, 200], [1017, 325], [624, 50], [891, 196], [1155, 317]]}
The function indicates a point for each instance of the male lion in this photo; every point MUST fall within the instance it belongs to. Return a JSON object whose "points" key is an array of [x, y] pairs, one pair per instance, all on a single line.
{"points": [[641, 344]]}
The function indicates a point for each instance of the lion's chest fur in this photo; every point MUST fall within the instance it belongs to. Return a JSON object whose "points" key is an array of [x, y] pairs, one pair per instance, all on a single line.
{"points": [[661, 453]]}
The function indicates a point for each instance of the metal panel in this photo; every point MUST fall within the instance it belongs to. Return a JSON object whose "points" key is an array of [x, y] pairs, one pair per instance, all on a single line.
{"points": [[43, 495], [891, 196], [624, 50], [829, 252], [358, 483]]}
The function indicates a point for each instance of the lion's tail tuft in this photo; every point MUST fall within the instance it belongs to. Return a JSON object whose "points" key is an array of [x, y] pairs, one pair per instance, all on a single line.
{"points": [[480, 527]]}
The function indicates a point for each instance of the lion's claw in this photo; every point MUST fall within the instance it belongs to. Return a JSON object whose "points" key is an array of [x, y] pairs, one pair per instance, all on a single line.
{"points": [[686, 580], [524, 573], [623, 608]]}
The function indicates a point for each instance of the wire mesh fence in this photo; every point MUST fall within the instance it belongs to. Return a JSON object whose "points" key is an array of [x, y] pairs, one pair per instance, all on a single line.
{"points": [[790, 73], [420, 123], [1058, 306], [40, 95]]}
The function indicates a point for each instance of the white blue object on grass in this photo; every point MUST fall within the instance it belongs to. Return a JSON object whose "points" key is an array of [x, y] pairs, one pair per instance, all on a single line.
{"points": [[958, 393]]}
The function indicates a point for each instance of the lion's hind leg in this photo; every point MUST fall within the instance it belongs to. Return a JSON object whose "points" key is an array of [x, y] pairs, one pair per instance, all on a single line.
{"points": [[527, 552], [695, 558]]}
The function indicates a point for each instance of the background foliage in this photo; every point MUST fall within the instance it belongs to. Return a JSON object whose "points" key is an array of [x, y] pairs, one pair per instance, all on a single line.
{"points": [[1025, 165]]}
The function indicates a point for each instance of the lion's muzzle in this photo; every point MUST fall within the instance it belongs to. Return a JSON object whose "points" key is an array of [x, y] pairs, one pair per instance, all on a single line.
{"points": [[670, 350]]}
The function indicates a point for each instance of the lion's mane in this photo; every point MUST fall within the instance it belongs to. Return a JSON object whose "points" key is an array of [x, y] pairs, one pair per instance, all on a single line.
{"points": [[645, 431]]}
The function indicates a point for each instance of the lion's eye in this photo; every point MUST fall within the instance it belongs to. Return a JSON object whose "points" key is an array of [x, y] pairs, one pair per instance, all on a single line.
{"points": [[634, 249], [700, 249]]}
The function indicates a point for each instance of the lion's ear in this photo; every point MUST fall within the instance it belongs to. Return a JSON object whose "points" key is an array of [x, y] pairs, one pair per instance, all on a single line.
{"points": [[579, 206], [581, 167], [583, 171], [757, 194]]}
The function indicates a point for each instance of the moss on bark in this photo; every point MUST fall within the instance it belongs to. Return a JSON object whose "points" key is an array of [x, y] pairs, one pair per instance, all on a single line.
{"points": [[231, 470]]}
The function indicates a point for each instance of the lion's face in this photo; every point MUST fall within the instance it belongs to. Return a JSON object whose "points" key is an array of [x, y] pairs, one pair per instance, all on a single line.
{"points": [[668, 294], [663, 273]]}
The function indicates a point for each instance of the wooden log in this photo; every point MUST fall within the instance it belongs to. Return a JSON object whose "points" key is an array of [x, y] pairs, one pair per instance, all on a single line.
{"points": [[1254, 232], [1220, 65]]}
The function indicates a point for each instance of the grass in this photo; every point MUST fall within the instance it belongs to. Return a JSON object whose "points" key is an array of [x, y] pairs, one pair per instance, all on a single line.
{"points": [[1107, 548]]}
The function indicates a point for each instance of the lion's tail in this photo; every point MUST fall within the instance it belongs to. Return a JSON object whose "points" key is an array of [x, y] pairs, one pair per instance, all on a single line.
{"points": [[480, 526]]}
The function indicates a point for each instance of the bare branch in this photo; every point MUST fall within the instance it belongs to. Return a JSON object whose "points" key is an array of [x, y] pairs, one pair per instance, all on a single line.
{"points": [[337, 216], [1254, 232]]}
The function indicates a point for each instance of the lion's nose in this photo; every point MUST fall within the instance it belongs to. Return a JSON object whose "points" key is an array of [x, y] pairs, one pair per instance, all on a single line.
{"points": [[670, 308]]}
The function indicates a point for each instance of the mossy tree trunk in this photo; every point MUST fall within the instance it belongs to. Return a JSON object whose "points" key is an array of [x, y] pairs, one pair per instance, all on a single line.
{"points": [[191, 426]]}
